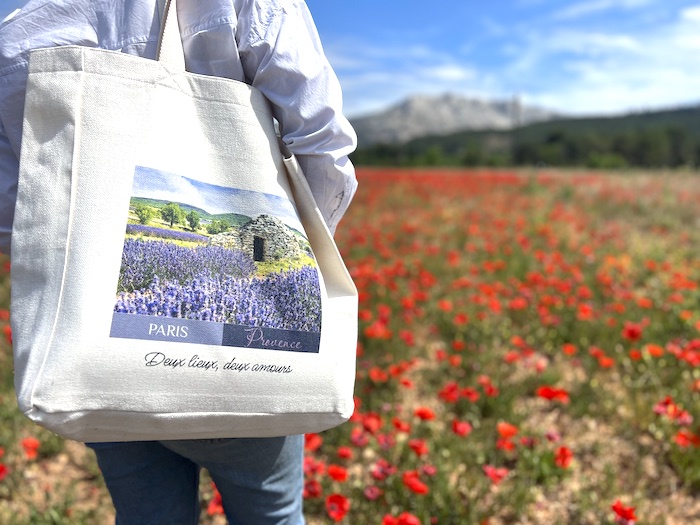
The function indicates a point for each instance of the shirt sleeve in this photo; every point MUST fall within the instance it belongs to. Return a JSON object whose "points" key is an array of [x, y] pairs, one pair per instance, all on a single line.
{"points": [[9, 168], [282, 56]]}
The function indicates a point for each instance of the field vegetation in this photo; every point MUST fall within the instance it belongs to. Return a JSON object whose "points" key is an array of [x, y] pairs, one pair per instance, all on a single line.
{"points": [[529, 353]]}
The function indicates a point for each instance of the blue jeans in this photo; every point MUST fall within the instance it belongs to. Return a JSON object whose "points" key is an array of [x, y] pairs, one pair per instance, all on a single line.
{"points": [[157, 482]]}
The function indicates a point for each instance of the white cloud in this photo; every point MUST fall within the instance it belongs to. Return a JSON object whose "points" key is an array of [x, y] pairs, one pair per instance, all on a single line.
{"points": [[586, 8], [571, 69], [691, 14], [624, 72]]}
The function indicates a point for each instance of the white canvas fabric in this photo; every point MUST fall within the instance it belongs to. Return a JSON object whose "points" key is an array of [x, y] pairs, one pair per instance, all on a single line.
{"points": [[100, 352]]}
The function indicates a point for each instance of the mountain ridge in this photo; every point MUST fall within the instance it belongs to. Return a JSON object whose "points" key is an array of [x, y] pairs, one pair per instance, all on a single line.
{"points": [[423, 115]]}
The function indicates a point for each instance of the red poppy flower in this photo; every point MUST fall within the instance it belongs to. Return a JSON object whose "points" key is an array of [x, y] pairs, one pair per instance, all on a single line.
{"points": [[337, 473], [470, 394], [312, 489], [625, 513], [382, 469], [312, 442], [405, 518], [461, 428], [401, 426], [506, 430], [411, 480], [372, 422], [563, 457], [4, 471], [553, 394], [685, 438], [373, 492], [337, 506], [345, 452], [377, 375], [495, 474], [632, 331], [424, 413], [419, 446], [215, 506], [569, 349], [449, 393], [31, 447]]}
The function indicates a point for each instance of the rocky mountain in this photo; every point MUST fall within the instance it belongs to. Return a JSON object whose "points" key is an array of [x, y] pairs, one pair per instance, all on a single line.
{"points": [[423, 115]]}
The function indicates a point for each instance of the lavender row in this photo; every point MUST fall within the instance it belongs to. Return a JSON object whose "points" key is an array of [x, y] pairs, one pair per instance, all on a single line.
{"points": [[288, 301], [144, 261], [161, 233]]}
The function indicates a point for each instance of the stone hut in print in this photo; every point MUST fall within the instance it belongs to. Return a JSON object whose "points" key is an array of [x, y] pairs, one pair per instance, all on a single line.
{"points": [[265, 238]]}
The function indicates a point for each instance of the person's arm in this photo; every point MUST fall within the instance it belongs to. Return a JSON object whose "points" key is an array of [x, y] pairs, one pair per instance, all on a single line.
{"points": [[9, 169], [282, 56]]}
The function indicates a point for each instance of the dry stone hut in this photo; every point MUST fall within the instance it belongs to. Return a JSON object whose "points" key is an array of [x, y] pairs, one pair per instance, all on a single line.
{"points": [[265, 238]]}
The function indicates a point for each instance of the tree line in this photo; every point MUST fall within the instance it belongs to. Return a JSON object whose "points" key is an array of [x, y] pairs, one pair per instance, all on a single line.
{"points": [[655, 147], [173, 214]]}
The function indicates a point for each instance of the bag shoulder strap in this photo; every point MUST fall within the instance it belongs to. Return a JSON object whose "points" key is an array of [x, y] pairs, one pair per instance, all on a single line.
{"points": [[170, 51]]}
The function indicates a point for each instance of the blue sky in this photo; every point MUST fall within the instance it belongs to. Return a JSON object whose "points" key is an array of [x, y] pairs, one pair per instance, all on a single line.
{"points": [[578, 56]]}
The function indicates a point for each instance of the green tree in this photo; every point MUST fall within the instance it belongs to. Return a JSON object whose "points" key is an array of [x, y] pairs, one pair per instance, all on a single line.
{"points": [[144, 213], [218, 227], [172, 213], [193, 220]]}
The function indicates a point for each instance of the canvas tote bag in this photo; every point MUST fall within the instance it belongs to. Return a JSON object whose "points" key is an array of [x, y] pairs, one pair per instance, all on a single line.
{"points": [[172, 276]]}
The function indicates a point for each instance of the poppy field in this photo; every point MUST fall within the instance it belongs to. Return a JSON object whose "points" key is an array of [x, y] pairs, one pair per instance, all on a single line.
{"points": [[529, 353]]}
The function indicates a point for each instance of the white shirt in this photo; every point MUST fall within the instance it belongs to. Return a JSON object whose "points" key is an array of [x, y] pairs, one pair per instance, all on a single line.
{"points": [[271, 44]]}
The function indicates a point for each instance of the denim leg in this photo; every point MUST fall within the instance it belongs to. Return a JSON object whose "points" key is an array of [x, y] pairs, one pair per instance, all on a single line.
{"points": [[260, 479], [149, 484]]}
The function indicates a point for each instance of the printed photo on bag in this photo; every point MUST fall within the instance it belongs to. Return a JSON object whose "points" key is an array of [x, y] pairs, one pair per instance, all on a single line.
{"points": [[208, 264]]}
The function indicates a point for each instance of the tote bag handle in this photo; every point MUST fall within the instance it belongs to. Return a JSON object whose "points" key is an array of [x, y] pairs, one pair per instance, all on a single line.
{"points": [[170, 52]]}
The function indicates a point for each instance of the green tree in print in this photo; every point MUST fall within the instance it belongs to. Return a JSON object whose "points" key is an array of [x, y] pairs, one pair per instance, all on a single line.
{"points": [[193, 220], [144, 213], [172, 213]]}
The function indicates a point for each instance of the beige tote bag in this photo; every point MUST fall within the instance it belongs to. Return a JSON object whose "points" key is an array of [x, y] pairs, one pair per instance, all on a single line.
{"points": [[172, 276]]}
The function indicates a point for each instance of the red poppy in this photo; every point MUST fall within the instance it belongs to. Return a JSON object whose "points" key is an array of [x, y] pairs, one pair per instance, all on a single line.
{"points": [[563, 457], [419, 446], [625, 513], [345, 452], [553, 394], [450, 392], [569, 349], [685, 438], [424, 413], [411, 479], [31, 447], [469, 393], [377, 375], [216, 506], [506, 430], [382, 469], [405, 518], [313, 466], [461, 428], [401, 426], [372, 422], [373, 492], [337, 506], [495, 474], [632, 331], [337, 473], [654, 350], [4, 471], [312, 489], [312, 442]]}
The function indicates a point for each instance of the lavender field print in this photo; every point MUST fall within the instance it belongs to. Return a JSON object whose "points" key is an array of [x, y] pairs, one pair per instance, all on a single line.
{"points": [[213, 265]]}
